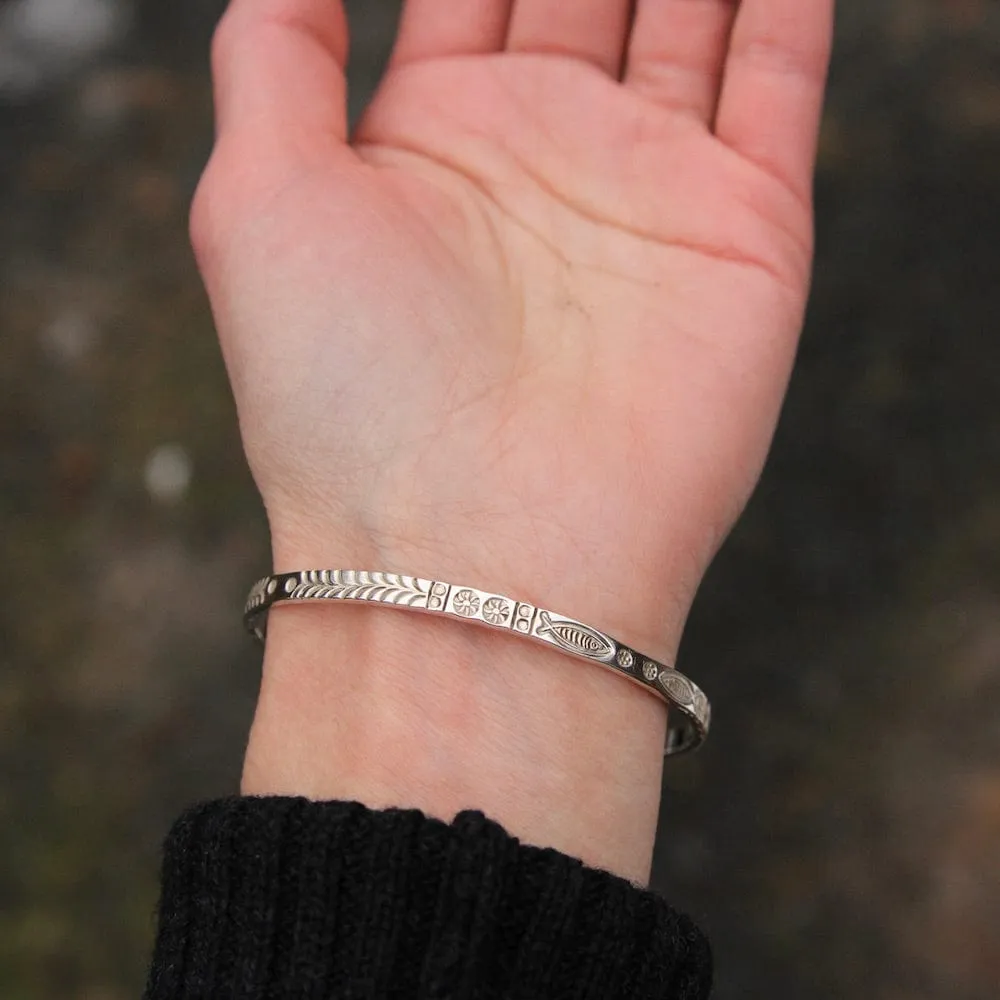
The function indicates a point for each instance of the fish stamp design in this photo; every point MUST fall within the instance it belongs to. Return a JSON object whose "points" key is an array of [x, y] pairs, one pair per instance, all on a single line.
{"points": [[677, 687], [576, 638]]}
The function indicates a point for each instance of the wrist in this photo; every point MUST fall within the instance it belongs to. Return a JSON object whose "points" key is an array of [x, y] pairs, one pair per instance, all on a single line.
{"points": [[400, 709]]}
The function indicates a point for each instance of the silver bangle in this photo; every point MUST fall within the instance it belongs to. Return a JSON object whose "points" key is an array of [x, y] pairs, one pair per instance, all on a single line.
{"points": [[687, 728]]}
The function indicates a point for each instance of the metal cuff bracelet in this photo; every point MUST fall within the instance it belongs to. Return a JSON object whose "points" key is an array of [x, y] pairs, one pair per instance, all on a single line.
{"points": [[690, 714]]}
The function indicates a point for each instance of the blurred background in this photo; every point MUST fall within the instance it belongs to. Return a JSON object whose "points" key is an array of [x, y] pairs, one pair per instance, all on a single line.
{"points": [[838, 836]]}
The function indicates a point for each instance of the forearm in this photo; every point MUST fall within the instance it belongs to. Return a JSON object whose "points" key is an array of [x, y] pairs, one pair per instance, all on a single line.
{"points": [[399, 709]]}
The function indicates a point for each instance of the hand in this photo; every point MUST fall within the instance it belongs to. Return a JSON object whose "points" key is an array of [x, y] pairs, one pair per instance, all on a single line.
{"points": [[530, 330]]}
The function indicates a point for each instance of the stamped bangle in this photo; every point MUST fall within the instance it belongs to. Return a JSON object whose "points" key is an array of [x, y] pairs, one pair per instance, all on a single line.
{"points": [[688, 725]]}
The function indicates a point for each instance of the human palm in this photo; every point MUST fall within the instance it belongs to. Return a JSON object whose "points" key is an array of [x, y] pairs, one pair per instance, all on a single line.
{"points": [[531, 328]]}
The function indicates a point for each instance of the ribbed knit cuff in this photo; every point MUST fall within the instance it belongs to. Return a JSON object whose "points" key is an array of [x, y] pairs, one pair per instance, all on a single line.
{"points": [[281, 898]]}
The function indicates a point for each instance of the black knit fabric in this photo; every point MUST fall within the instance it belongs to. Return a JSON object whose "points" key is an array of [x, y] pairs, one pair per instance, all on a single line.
{"points": [[282, 898]]}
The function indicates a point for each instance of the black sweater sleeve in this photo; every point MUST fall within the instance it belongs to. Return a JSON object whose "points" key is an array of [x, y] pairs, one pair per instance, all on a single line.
{"points": [[279, 898]]}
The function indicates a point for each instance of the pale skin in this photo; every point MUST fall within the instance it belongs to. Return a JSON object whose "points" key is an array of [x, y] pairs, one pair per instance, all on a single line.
{"points": [[528, 329]]}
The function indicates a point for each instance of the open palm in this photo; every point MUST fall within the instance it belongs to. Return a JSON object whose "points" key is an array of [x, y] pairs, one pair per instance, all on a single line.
{"points": [[530, 329]]}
